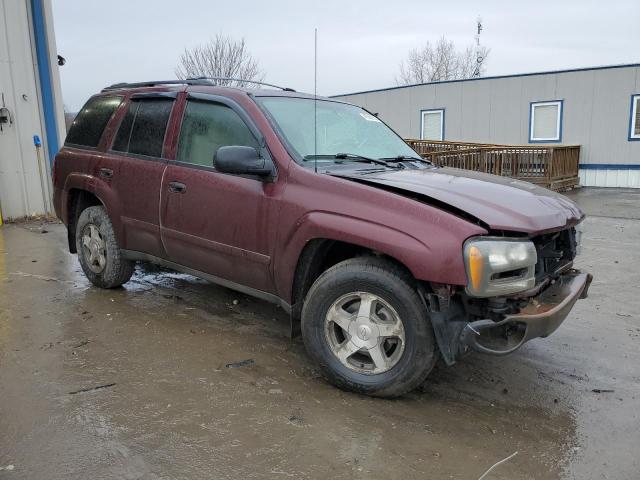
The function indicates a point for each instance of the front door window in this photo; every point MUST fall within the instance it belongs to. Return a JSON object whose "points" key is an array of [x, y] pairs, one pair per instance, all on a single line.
{"points": [[207, 126]]}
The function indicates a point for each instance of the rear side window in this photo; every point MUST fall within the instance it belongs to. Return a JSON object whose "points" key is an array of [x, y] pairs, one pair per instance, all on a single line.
{"points": [[143, 127], [89, 124], [208, 126]]}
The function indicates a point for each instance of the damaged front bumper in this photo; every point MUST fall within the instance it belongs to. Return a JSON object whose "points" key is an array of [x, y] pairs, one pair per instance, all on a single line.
{"points": [[539, 318]]}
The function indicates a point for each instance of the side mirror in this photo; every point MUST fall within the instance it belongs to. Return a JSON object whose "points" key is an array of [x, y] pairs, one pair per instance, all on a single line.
{"points": [[241, 160]]}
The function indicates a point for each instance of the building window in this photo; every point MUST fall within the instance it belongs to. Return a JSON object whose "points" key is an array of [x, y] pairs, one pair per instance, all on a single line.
{"points": [[432, 124], [545, 121], [634, 121]]}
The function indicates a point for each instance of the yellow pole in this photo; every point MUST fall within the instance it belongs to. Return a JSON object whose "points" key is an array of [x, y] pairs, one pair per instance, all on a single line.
{"points": [[0, 216]]}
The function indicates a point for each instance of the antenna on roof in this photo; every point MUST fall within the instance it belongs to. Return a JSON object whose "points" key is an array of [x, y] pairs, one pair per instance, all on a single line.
{"points": [[315, 101]]}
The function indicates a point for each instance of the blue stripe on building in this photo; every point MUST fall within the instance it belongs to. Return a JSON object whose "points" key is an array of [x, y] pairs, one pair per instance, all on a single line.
{"points": [[609, 166], [44, 74]]}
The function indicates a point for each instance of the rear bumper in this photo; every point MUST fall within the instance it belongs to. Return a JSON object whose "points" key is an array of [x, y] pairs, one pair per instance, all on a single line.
{"points": [[539, 318]]}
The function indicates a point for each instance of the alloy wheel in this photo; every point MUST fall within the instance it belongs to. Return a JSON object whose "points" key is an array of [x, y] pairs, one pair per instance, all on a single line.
{"points": [[365, 333], [94, 248]]}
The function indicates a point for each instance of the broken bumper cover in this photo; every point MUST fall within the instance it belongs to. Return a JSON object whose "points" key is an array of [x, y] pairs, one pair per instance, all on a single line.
{"points": [[539, 318]]}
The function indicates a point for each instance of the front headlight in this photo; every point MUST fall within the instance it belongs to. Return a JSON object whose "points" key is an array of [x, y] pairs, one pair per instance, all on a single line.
{"points": [[498, 267]]}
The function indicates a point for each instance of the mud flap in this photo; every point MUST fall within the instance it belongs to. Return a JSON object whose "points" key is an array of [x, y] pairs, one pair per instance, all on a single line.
{"points": [[447, 331], [295, 329]]}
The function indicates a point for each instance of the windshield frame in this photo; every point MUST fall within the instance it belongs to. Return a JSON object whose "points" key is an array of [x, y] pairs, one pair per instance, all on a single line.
{"points": [[297, 157]]}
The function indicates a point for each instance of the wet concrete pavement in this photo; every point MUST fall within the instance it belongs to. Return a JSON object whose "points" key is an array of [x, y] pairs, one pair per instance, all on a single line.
{"points": [[170, 408]]}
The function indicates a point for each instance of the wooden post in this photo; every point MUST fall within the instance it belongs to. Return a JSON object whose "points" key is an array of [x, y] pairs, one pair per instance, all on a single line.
{"points": [[550, 168]]}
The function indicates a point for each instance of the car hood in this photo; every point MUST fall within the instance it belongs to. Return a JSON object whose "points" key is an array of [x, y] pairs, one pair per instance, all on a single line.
{"points": [[501, 203]]}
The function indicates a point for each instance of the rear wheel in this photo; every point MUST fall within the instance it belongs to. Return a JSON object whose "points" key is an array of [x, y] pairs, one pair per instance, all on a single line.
{"points": [[367, 329], [98, 251]]}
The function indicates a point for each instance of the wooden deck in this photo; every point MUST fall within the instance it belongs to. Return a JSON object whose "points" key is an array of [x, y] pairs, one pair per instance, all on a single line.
{"points": [[551, 166]]}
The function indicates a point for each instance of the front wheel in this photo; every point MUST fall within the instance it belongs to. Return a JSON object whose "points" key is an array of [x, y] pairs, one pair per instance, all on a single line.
{"points": [[367, 329]]}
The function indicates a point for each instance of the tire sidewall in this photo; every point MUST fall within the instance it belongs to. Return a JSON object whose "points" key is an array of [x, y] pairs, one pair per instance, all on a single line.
{"points": [[98, 217], [420, 350]]}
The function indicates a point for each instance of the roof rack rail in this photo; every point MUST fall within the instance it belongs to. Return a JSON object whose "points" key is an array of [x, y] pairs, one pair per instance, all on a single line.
{"points": [[286, 89], [190, 81]]}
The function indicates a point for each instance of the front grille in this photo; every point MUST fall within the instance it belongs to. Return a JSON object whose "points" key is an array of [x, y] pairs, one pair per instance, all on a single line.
{"points": [[555, 251]]}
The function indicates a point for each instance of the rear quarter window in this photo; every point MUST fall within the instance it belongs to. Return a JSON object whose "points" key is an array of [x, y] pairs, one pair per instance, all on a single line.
{"points": [[86, 129]]}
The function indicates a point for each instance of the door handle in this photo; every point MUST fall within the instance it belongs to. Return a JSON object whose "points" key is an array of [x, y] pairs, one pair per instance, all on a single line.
{"points": [[106, 172], [177, 187]]}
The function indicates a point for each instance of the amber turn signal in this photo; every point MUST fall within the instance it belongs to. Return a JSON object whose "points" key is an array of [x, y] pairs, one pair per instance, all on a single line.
{"points": [[475, 267]]}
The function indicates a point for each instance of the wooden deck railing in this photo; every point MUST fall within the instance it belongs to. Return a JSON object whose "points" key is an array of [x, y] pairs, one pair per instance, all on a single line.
{"points": [[551, 166], [428, 146]]}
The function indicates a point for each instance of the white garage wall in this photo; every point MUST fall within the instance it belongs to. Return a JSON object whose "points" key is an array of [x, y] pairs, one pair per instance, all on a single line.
{"points": [[23, 189]]}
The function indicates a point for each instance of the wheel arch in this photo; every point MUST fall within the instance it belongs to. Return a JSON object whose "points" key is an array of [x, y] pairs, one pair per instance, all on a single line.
{"points": [[321, 253], [77, 201], [314, 232], [83, 191]]}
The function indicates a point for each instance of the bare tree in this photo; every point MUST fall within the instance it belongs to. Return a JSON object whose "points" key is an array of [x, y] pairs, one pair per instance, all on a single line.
{"points": [[221, 56], [442, 61]]}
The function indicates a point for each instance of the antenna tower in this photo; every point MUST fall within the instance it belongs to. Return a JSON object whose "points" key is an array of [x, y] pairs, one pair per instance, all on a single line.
{"points": [[479, 57]]}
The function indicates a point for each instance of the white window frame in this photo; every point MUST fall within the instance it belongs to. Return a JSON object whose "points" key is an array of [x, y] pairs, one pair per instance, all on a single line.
{"points": [[532, 118], [430, 111], [635, 105]]}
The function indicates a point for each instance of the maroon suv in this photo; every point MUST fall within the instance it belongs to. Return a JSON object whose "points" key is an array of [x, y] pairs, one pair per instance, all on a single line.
{"points": [[385, 261]]}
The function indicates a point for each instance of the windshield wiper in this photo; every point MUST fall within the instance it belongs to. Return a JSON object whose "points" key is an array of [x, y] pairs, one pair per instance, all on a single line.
{"points": [[353, 158], [402, 158]]}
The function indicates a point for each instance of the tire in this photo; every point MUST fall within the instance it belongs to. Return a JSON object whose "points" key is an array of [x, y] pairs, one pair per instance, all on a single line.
{"points": [[105, 268], [344, 292]]}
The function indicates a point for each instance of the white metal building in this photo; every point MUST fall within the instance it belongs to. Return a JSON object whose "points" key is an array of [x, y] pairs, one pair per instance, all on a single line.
{"points": [[597, 108], [31, 111]]}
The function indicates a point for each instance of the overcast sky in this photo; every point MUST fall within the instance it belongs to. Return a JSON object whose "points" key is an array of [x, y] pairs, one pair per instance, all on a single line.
{"points": [[360, 42]]}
